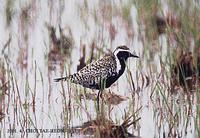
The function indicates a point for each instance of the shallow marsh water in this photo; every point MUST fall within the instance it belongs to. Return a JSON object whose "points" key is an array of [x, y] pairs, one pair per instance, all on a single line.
{"points": [[34, 102]]}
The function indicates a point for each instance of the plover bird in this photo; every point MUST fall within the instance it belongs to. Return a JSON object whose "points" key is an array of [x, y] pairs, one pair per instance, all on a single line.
{"points": [[102, 73]]}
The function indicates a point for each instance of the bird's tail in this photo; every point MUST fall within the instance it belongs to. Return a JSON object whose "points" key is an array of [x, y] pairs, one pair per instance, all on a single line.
{"points": [[59, 79]]}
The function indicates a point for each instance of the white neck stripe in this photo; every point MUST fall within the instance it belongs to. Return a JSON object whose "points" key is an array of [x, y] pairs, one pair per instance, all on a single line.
{"points": [[119, 67]]}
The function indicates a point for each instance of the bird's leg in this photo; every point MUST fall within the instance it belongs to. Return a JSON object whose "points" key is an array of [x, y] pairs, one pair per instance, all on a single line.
{"points": [[99, 95], [102, 86]]}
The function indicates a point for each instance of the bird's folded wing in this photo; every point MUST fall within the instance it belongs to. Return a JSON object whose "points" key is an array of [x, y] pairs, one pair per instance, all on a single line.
{"points": [[91, 75]]}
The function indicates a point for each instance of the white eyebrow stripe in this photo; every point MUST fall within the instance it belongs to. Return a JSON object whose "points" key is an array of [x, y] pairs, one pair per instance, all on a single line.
{"points": [[121, 50]]}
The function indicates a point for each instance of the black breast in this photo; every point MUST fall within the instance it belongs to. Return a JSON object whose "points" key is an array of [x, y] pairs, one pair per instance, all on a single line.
{"points": [[110, 80]]}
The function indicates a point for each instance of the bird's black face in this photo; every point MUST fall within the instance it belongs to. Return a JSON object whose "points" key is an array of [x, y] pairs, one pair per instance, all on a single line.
{"points": [[123, 53]]}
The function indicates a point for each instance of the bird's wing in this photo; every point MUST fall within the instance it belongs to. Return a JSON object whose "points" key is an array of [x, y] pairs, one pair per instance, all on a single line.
{"points": [[92, 74]]}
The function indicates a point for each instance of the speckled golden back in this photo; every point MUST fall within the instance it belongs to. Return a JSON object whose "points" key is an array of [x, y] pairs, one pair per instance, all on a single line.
{"points": [[91, 75]]}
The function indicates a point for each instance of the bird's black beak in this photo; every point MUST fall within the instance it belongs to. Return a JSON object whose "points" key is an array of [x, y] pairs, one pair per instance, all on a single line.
{"points": [[134, 55]]}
